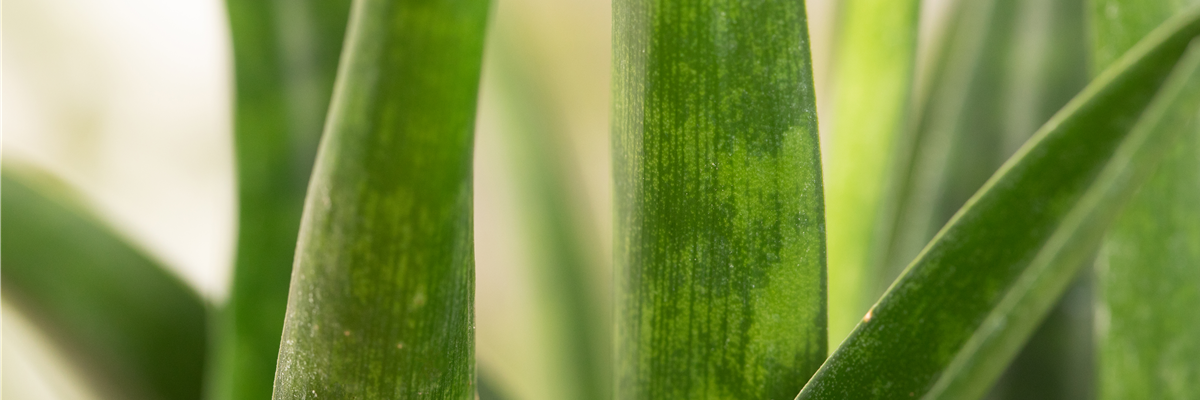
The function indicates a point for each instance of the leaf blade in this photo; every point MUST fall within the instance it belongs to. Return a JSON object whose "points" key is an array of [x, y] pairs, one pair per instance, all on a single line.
{"points": [[285, 57], [1146, 344], [719, 227], [940, 304], [138, 330], [875, 60], [381, 300]]}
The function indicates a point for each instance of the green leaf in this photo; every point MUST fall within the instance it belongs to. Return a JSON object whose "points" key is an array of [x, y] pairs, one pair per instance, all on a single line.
{"points": [[138, 330], [575, 332], [285, 58], [874, 61], [719, 233], [958, 314], [1003, 69], [1148, 339], [381, 299]]}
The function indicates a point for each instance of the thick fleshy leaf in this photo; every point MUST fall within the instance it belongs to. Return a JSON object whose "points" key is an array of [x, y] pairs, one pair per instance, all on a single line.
{"points": [[1149, 267], [953, 320], [874, 63], [381, 299], [138, 331], [719, 235], [285, 58]]}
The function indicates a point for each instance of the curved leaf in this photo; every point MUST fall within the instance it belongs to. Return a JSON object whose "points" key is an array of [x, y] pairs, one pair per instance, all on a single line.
{"points": [[720, 247], [381, 300], [874, 61], [138, 329], [285, 57], [958, 314]]}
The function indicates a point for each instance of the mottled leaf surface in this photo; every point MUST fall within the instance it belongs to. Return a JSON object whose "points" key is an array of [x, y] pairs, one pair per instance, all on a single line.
{"points": [[382, 294], [719, 236]]}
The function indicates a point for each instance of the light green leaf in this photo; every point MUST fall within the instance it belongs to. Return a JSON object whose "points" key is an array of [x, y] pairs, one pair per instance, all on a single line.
{"points": [[874, 62], [381, 299], [719, 234], [572, 323], [138, 331], [951, 323], [285, 57], [1149, 267]]}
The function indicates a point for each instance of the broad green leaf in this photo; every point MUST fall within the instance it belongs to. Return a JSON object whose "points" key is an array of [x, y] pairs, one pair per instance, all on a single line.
{"points": [[285, 57], [719, 234], [874, 62], [381, 299], [1148, 271], [953, 320], [575, 333], [137, 330]]}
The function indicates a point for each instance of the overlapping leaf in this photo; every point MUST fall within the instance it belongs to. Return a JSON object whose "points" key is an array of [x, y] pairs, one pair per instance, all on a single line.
{"points": [[950, 324], [382, 295]]}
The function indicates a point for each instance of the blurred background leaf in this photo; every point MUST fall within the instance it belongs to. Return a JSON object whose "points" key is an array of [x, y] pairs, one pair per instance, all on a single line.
{"points": [[133, 327], [1148, 336], [573, 321], [719, 232], [953, 328], [874, 60], [285, 57]]}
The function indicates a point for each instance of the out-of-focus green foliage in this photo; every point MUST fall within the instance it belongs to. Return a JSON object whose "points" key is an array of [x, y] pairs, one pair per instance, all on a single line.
{"points": [[874, 62], [138, 331], [285, 57], [719, 235], [572, 320], [1003, 69], [381, 300], [950, 324], [1149, 268]]}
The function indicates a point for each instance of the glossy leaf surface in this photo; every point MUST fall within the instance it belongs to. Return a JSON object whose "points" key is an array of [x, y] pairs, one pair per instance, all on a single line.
{"points": [[139, 331], [1149, 267], [951, 323], [719, 235], [381, 300], [285, 57]]}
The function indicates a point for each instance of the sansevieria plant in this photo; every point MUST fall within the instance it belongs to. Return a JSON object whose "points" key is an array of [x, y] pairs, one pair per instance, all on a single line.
{"points": [[1014, 213]]}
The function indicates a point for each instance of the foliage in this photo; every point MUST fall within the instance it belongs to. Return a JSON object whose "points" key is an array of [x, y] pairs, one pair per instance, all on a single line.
{"points": [[720, 210]]}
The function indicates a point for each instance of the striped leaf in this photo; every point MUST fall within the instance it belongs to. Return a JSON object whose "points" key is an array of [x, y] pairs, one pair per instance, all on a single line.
{"points": [[285, 55], [381, 299], [950, 324], [719, 234], [136, 329]]}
